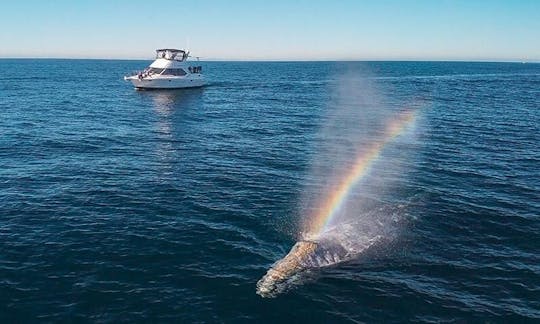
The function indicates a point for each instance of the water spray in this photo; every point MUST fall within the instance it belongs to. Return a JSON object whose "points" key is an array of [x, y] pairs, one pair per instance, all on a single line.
{"points": [[321, 245]]}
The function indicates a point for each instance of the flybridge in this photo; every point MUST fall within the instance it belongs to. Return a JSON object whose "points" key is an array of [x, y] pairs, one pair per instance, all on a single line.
{"points": [[172, 54]]}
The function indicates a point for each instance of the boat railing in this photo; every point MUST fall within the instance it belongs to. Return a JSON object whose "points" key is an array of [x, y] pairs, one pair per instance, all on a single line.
{"points": [[195, 69]]}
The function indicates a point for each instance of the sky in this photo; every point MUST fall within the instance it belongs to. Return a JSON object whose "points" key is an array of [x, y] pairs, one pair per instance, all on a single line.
{"points": [[480, 30]]}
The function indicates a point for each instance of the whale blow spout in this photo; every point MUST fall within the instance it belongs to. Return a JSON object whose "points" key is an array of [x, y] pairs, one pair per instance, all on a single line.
{"points": [[296, 261]]}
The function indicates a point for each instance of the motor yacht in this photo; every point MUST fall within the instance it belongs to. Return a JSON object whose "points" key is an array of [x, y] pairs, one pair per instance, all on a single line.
{"points": [[170, 70]]}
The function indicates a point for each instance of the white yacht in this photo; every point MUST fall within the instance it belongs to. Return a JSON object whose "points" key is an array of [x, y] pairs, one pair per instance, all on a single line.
{"points": [[170, 70]]}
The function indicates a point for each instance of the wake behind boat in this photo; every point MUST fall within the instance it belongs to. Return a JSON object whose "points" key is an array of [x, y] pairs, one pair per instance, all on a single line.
{"points": [[170, 70]]}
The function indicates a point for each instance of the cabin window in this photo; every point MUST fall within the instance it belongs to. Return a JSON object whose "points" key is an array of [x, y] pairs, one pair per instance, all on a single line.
{"points": [[177, 72]]}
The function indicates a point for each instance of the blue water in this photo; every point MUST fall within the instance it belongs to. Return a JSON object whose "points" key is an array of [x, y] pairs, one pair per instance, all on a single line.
{"points": [[124, 205]]}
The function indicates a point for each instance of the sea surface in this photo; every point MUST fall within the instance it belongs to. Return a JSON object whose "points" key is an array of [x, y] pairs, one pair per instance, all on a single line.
{"points": [[168, 206]]}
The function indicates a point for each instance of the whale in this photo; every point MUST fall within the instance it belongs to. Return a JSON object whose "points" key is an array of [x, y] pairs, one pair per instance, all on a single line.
{"points": [[309, 254], [296, 261]]}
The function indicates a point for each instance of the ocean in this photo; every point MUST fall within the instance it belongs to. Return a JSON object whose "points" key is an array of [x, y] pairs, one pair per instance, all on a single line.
{"points": [[119, 205]]}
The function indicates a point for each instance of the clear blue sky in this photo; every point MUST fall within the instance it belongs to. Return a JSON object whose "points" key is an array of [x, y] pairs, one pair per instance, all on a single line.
{"points": [[274, 29]]}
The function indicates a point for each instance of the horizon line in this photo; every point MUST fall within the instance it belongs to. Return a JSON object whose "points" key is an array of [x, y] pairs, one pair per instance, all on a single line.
{"points": [[464, 60]]}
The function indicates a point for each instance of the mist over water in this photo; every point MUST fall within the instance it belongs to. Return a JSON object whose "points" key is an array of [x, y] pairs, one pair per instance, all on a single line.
{"points": [[357, 117]]}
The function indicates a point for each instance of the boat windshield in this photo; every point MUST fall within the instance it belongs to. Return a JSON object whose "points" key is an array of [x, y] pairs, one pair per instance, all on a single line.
{"points": [[153, 71]]}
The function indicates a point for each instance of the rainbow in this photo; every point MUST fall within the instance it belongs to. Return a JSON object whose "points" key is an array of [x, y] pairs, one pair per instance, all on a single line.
{"points": [[365, 159]]}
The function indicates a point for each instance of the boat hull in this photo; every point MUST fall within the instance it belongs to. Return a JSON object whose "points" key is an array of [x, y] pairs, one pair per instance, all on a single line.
{"points": [[169, 83]]}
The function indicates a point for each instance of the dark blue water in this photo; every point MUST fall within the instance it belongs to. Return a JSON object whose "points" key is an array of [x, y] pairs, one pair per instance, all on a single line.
{"points": [[124, 205]]}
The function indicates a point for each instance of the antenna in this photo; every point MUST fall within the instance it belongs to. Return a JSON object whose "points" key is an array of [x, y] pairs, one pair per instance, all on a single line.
{"points": [[187, 44]]}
